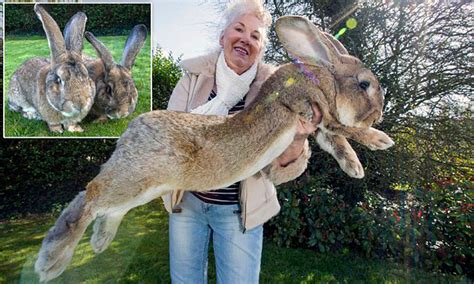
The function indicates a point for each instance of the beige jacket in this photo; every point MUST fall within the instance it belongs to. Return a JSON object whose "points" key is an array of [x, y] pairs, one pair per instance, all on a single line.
{"points": [[258, 198]]}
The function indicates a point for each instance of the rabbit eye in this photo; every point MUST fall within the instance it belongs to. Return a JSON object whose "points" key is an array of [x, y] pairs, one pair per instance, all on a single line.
{"points": [[57, 80], [108, 90], [364, 85]]}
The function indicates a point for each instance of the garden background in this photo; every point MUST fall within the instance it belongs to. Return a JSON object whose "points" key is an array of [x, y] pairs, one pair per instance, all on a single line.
{"points": [[409, 220]]}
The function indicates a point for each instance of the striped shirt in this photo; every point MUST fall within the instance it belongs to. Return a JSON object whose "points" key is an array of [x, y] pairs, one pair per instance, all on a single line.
{"points": [[228, 195]]}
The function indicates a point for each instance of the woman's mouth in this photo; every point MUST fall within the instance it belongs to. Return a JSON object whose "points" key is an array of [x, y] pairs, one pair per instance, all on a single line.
{"points": [[241, 51]]}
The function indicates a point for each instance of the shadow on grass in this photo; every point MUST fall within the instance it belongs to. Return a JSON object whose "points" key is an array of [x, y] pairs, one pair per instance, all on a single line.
{"points": [[139, 248]]}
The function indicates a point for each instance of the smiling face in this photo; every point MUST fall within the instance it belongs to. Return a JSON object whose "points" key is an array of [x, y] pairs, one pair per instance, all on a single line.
{"points": [[242, 42]]}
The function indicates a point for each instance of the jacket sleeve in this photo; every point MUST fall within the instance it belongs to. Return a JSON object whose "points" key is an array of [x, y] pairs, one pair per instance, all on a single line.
{"points": [[279, 174], [179, 98]]}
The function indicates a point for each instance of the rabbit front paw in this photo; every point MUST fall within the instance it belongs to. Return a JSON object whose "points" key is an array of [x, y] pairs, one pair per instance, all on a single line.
{"points": [[56, 128], [74, 128], [101, 119], [378, 140], [352, 167]]}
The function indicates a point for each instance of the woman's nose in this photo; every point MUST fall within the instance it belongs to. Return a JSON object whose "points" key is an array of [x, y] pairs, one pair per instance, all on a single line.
{"points": [[245, 38]]}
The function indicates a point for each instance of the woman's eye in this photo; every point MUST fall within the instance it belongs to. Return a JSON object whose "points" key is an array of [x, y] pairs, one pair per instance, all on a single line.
{"points": [[255, 37], [239, 29]]}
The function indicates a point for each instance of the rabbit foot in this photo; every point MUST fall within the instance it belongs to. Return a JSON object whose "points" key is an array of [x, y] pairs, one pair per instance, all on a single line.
{"points": [[49, 266], [57, 128], [352, 168], [105, 229], [101, 119], [74, 128], [379, 141], [100, 242], [31, 113]]}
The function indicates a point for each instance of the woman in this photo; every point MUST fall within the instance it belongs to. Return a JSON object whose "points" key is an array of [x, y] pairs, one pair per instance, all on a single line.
{"points": [[225, 82]]}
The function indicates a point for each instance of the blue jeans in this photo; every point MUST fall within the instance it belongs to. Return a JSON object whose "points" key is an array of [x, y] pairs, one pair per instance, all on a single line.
{"points": [[237, 254]]}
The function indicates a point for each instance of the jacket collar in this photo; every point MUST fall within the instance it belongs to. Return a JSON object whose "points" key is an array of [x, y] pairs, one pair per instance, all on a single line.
{"points": [[203, 65], [206, 65]]}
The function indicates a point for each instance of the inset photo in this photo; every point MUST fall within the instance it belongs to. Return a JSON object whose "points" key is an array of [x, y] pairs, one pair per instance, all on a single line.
{"points": [[75, 70]]}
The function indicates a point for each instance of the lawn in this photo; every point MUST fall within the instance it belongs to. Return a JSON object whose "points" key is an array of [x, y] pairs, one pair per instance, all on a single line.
{"points": [[19, 49], [139, 254]]}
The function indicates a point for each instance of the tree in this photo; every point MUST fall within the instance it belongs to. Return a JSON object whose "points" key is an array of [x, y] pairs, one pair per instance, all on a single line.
{"points": [[422, 54], [166, 74]]}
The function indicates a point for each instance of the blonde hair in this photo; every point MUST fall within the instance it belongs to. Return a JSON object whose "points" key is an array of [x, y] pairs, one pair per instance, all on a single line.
{"points": [[239, 8]]}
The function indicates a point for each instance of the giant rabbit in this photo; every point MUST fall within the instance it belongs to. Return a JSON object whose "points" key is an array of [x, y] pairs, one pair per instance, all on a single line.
{"points": [[57, 90], [163, 151], [116, 94]]}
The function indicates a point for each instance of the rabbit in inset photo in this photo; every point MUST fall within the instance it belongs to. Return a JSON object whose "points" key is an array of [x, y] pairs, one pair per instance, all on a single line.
{"points": [[58, 89], [116, 94], [162, 151]]}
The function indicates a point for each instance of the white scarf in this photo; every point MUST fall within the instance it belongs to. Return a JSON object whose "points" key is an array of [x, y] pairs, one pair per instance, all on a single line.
{"points": [[231, 88]]}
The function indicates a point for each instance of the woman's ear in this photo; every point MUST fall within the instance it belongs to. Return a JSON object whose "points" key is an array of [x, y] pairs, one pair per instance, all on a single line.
{"points": [[221, 40]]}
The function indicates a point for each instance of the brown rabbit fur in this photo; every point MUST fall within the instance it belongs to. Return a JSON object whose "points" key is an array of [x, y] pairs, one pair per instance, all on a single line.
{"points": [[116, 94], [56, 90], [163, 151]]}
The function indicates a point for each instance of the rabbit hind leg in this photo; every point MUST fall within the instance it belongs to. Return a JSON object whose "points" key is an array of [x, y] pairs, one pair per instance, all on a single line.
{"points": [[106, 224], [58, 246], [18, 102], [105, 228]]}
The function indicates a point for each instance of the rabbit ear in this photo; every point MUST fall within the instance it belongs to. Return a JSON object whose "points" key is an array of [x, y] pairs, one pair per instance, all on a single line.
{"points": [[134, 43], [53, 33], [304, 40], [74, 32], [102, 51], [337, 44]]}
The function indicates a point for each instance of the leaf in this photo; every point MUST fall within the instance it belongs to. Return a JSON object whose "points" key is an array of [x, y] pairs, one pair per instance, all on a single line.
{"points": [[458, 268], [321, 247]]}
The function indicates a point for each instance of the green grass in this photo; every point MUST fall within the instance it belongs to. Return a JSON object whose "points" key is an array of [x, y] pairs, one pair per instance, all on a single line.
{"points": [[139, 254], [19, 49]]}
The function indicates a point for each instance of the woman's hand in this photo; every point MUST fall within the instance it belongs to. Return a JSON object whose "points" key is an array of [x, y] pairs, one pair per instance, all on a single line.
{"points": [[305, 128]]}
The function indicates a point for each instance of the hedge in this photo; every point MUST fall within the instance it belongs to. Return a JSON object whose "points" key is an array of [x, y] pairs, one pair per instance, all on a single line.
{"points": [[102, 19], [42, 175], [429, 227]]}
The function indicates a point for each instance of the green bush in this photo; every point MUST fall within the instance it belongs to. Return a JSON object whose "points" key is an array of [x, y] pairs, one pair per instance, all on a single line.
{"points": [[102, 19], [431, 228], [313, 215], [40, 175], [166, 73]]}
